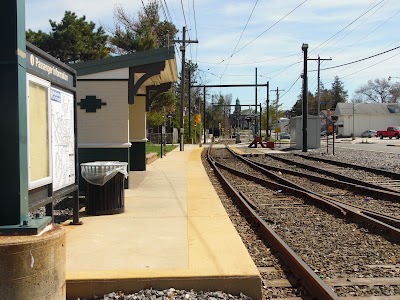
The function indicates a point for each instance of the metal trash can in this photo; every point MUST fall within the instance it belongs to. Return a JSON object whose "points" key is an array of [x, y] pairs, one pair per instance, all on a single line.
{"points": [[104, 187]]}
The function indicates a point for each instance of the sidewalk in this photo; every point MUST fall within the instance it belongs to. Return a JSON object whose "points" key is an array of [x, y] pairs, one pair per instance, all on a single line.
{"points": [[174, 233]]}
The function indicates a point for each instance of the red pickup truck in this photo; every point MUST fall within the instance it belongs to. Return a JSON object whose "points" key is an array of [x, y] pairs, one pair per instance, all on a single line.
{"points": [[390, 132]]}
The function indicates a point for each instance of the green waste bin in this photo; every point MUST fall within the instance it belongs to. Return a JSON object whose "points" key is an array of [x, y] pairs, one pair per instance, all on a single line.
{"points": [[104, 187]]}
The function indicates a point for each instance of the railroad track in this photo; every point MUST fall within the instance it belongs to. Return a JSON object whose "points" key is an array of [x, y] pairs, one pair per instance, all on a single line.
{"points": [[382, 204], [341, 256], [357, 174]]}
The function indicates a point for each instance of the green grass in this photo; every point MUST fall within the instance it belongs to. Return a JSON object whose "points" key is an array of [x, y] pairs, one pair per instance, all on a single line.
{"points": [[151, 148]]}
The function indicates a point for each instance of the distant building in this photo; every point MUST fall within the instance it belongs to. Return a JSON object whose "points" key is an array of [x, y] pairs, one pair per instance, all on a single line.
{"points": [[358, 117], [283, 125]]}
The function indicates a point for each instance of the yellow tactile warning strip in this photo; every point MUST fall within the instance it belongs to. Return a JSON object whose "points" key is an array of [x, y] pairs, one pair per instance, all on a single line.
{"points": [[174, 233]]}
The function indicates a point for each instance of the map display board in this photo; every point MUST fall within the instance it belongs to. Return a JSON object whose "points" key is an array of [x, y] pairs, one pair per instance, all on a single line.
{"points": [[63, 138]]}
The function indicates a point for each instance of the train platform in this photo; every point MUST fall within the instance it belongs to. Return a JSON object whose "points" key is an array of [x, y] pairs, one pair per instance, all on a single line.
{"points": [[174, 233]]}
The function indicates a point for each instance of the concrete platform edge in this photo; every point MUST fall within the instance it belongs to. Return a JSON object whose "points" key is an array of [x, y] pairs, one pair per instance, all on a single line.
{"points": [[249, 285]]}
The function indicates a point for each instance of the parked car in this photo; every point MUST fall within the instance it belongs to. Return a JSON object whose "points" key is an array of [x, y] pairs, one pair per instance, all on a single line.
{"points": [[369, 133], [390, 132], [284, 135]]}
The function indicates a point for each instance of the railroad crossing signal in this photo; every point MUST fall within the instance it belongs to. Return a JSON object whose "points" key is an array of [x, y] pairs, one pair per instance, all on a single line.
{"points": [[197, 118]]}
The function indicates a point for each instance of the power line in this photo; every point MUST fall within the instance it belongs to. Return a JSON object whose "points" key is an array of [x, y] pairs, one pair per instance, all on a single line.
{"points": [[341, 30], [372, 65], [195, 26], [245, 26], [183, 11], [190, 23], [387, 20], [262, 33], [362, 22], [297, 79], [271, 26], [254, 62], [166, 7], [356, 61], [169, 19]]}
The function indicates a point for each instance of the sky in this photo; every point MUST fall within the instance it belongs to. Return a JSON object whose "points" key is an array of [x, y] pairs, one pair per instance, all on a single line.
{"points": [[236, 38]]}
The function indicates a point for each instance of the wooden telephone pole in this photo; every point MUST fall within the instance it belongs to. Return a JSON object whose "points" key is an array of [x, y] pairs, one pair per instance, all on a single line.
{"points": [[183, 42]]}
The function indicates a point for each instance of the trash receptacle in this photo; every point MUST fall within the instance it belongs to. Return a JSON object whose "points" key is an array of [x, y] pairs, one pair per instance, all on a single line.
{"points": [[104, 187]]}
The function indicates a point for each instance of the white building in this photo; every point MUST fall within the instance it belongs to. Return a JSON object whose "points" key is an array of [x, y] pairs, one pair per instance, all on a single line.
{"points": [[363, 116], [283, 124]]}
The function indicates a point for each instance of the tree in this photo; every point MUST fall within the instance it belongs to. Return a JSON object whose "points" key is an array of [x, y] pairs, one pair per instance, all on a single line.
{"points": [[324, 98], [147, 33], [162, 106], [378, 90], [337, 93], [297, 109], [72, 40]]}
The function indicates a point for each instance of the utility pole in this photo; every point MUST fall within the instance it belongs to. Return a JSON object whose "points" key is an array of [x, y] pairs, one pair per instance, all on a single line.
{"points": [[319, 80], [277, 105], [189, 98], [204, 115], [304, 47], [183, 42]]}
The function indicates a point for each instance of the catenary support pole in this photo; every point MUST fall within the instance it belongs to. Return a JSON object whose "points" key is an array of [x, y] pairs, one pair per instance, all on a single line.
{"points": [[267, 129], [304, 47], [255, 115]]}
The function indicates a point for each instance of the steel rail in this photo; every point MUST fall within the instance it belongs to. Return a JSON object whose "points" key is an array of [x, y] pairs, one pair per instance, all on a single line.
{"points": [[393, 221], [336, 175], [342, 180], [347, 165], [351, 212], [315, 285]]}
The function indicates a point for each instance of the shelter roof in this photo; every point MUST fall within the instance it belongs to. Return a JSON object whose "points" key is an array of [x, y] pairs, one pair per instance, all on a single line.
{"points": [[118, 67], [124, 61]]}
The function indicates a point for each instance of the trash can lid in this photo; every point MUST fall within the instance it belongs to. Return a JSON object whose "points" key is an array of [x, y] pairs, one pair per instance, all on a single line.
{"points": [[99, 172], [105, 163]]}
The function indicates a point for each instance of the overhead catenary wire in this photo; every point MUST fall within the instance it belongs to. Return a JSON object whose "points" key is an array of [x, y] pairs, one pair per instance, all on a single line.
{"points": [[257, 37], [362, 22], [297, 79], [237, 43], [253, 62], [273, 25], [375, 29], [341, 30]]}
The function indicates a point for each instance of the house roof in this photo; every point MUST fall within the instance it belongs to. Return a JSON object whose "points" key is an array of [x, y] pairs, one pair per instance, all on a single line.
{"points": [[361, 108]]}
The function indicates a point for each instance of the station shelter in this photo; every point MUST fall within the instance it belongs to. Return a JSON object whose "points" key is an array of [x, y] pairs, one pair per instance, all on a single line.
{"points": [[113, 96]]}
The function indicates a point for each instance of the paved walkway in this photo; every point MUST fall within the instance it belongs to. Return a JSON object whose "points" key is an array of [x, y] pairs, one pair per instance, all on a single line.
{"points": [[174, 233]]}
